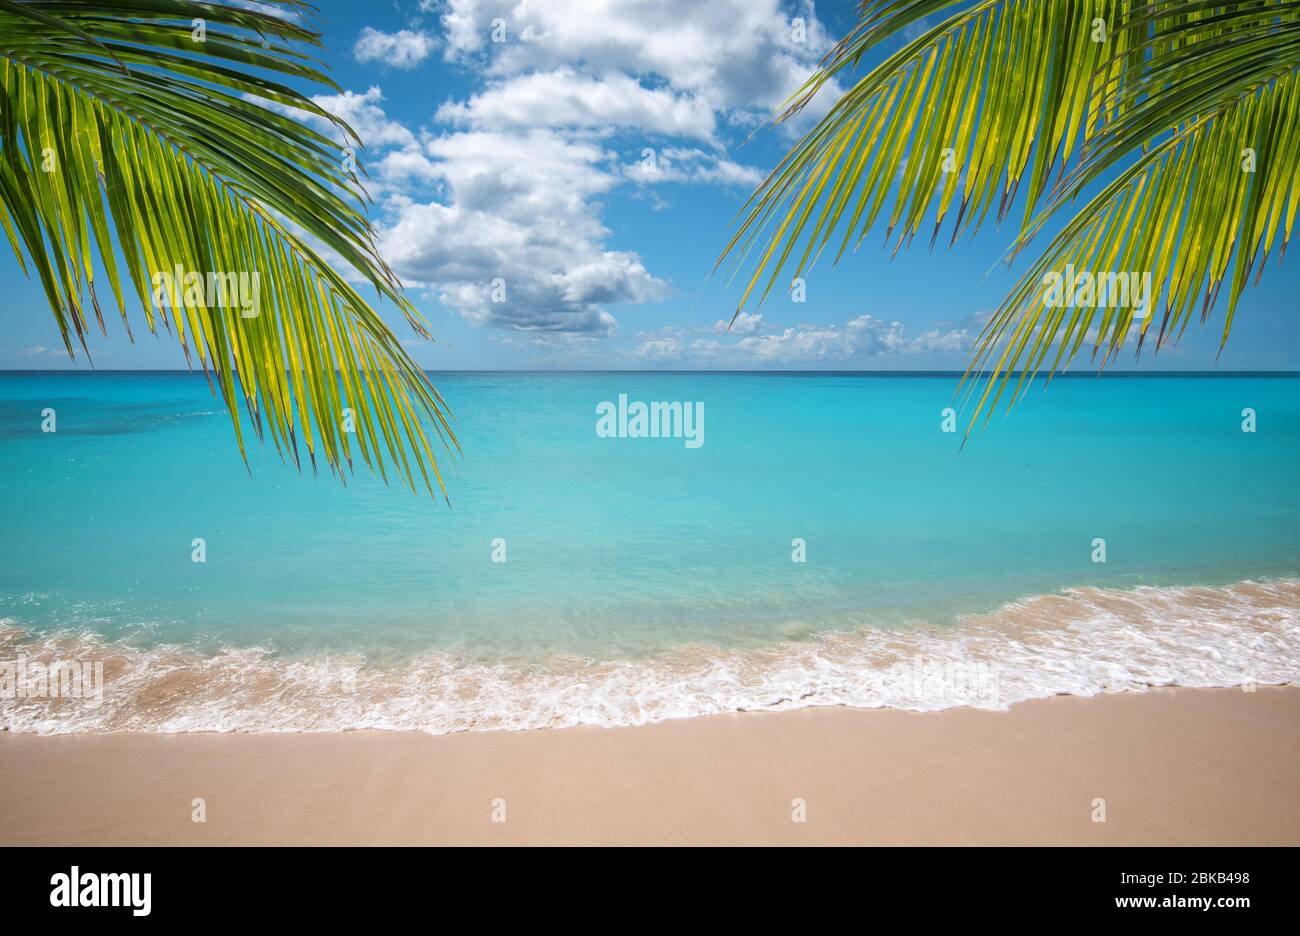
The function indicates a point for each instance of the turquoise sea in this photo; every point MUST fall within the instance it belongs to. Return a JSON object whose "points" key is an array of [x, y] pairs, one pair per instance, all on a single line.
{"points": [[644, 578]]}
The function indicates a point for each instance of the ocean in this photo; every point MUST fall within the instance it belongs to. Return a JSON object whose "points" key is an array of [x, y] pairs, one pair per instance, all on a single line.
{"points": [[819, 541]]}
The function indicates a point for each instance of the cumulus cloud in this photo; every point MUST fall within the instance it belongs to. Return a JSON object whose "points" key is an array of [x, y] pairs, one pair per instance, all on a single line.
{"points": [[660, 349], [517, 244], [403, 49], [678, 164], [361, 111], [564, 98], [507, 184], [863, 337], [738, 54], [469, 208], [746, 323]]}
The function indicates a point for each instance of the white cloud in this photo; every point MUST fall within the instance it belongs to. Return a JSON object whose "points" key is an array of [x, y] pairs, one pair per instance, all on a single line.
{"points": [[509, 181], [403, 49], [658, 349], [518, 206], [362, 112], [677, 164], [519, 209], [863, 337], [737, 53], [564, 98], [748, 345], [746, 323], [42, 351], [406, 164]]}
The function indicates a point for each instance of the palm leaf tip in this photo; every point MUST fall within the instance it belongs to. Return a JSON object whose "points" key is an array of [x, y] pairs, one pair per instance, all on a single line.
{"points": [[117, 131], [1150, 104]]}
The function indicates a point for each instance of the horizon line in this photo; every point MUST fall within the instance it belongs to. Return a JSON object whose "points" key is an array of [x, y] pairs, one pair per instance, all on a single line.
{"points": [[199, 372], [560, 372]]}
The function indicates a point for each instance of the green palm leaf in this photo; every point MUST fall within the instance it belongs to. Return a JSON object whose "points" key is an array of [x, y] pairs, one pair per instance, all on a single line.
{"points": [[124, 135], [1156, 102]]}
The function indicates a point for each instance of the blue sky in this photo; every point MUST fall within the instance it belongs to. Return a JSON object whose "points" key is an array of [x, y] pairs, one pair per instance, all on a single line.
{"points": [[594, 161]]}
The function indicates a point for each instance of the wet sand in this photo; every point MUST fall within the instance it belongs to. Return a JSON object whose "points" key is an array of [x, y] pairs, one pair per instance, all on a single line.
{"points": [[1174, 766]]}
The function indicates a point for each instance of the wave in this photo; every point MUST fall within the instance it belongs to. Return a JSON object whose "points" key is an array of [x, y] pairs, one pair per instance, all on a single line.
{"points": [[1082, 641]]}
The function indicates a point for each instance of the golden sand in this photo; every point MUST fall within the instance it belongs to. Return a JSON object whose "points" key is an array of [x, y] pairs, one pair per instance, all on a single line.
{"points": [[1180, 766]]}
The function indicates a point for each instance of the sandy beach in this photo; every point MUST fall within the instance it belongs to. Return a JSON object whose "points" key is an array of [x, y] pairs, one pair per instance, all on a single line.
{"points": [[1180, 766]]}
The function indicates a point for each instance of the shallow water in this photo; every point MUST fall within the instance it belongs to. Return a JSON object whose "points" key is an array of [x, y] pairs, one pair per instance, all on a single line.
{"points": [[646, 579]]}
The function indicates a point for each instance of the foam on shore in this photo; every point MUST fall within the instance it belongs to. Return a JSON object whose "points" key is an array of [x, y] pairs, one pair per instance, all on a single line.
{"points": [[1080, 642]]}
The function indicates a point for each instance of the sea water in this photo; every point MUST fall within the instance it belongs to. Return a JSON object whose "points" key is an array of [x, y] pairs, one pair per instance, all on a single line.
{"points": [[826, 543]]}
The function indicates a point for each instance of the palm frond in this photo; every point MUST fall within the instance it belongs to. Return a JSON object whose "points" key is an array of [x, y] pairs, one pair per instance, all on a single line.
{"points": [[1147, 98], [121, 132]]}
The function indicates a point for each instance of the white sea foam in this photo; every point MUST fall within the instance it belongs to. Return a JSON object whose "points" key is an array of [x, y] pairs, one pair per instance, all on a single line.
{"points": [[1080, 642]]}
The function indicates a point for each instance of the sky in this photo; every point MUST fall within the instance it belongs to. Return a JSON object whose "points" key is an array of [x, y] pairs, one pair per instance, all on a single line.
{"points": [[593, 161]]}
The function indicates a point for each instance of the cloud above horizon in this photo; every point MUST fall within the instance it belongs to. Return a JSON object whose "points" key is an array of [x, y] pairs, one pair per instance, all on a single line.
{"points": [[403, 49], [738, 55], [516, 244], [750, 341], [495, 207]]}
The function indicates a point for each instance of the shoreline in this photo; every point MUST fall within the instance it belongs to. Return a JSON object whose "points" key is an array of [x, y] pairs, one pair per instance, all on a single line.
{"points": [[1081, 641], [1175, 766]]}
